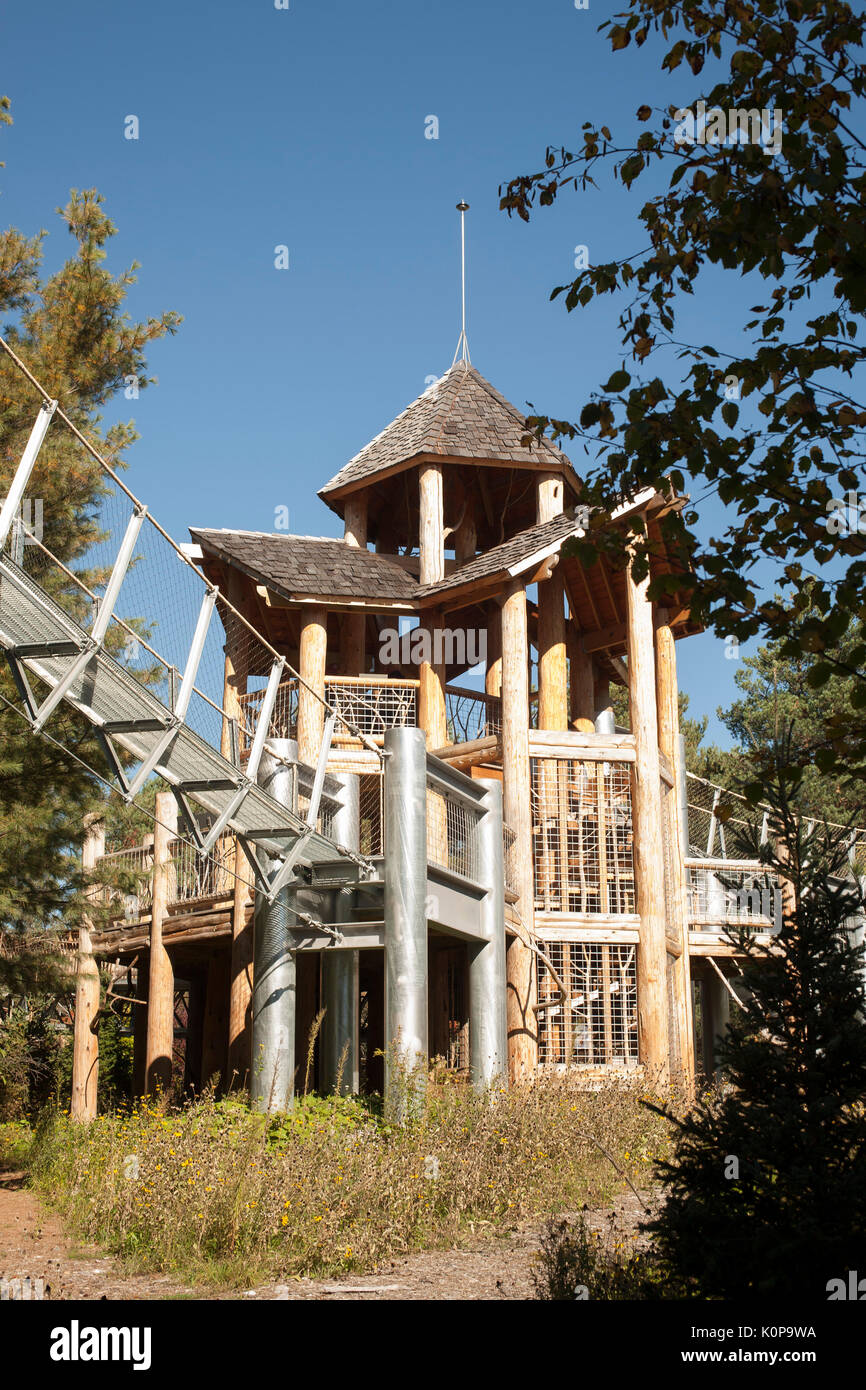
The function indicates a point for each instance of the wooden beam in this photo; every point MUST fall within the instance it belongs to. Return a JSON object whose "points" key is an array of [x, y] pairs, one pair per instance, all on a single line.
{"points": [[581, 681], [431, 524], [160, 1002], [521, 974], [355, 624], [85, 1041], [431, 691], [240, 1035], [652, 1000], [667, 703], [311, 693], [493, 674]]}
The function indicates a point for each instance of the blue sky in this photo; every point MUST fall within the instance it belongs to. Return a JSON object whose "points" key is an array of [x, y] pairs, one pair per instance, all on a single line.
{"points": [[305, 127]]}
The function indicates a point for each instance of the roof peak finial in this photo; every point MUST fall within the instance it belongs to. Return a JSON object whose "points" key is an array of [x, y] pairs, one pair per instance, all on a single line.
{"points": [[462, 350]]}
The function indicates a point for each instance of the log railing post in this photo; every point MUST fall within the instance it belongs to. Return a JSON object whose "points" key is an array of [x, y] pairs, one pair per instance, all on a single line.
{"points": [[354, 656], [311, 694], [652, 1000], [521, 977], [670, 743], [160, 1001], [85, 1043]]}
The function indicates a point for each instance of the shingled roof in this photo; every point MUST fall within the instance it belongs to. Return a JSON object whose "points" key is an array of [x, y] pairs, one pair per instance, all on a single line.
{"points": [[460, 416], [506, 556], [301, 565]]}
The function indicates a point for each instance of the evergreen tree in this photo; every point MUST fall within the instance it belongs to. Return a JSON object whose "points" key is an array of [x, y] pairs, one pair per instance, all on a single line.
{"points": [[71, 330], [766, 1191]]}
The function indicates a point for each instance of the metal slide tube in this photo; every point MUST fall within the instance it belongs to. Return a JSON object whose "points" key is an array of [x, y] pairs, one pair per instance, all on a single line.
{"points": [[340, 968], [488, 1056], [272, 1076], [405, 917]]}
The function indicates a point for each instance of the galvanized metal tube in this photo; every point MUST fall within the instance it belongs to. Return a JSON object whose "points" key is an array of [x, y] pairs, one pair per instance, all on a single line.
{"points": [[488, 1047], [405, 918], [340, 997], [272, 1077]]}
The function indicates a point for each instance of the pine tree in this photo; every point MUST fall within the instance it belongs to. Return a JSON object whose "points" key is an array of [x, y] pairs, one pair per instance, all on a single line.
{"points": [[766, 1191], [71, 330]]}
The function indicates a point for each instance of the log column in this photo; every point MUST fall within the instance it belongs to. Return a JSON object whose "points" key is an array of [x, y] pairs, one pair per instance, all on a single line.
{"points": [[432, 717], [85, 1043], [552, 668], [581, 683], [160, 1003], [355, 624], [648, 844], [493, 676], [521, 978], [311, 710], [670, 744]]}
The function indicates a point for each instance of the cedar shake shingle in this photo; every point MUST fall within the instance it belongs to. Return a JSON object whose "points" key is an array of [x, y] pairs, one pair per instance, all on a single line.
{"points": [[460, 416]]}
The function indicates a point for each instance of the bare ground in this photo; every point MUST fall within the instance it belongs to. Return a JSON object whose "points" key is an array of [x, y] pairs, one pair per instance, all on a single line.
{"points": [[33, 1242]]}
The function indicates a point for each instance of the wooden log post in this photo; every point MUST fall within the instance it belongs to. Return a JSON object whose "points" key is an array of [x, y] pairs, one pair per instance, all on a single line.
{"points": [[431, 524], [667, 703], [493, 674], [652, 1003], [311, 710], [521, 981], [240, 984], [160, 1002], [581, 683], [85, 1042], [354, 655]]}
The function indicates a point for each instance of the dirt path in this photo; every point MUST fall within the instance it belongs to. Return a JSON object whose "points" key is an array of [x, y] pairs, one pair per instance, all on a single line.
{"points": [[32, 1242]]}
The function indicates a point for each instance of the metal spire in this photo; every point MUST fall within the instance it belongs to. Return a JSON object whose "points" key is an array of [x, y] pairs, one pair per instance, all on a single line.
{"points": [[462, 350]]}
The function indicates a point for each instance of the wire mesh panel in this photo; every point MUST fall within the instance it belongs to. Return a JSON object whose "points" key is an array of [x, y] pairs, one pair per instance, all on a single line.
{"points": [[721, 895], [509, 841], [283, 721], [373, 704], [452, 840], [133, 868], [198, 876], [595, 1023], [582, 842], [471, 714]]}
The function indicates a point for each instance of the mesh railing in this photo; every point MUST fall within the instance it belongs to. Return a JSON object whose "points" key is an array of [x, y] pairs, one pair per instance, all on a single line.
{"points": [[509, 840], [452, 840], [582, 848], [373, 703], [283, 721], [470, 714], [197, 876], [722, 895], [596, 1023], [134, 866]]}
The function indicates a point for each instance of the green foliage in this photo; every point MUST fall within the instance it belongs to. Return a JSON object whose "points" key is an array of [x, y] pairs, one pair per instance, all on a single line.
{"points": [[71, 330], [791, 225], [219, 1192], [766, 1189], [576, 1262]]}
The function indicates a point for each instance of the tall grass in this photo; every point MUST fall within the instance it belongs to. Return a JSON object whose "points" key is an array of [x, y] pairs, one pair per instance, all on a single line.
{"points": [[218, 1193]]}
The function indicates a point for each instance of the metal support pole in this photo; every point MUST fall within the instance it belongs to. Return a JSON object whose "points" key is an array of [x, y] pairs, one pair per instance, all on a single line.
{"points": [[405, 917], [15, 496], [340, 997], [272, 1078], [488, 1040]]}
